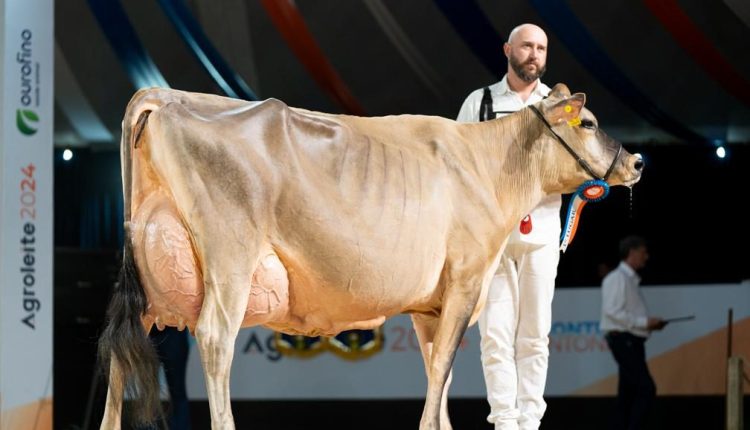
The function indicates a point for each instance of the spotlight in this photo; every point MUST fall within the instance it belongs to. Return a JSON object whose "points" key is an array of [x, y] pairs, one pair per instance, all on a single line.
{"points": [[67, 155], [721, 152]]}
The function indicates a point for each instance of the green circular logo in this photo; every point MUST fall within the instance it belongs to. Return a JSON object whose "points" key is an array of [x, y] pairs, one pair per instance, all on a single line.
{"points": [[26, 121]]}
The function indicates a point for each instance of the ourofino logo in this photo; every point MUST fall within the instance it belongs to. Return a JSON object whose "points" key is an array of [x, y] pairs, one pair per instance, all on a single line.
{"points": [[26, 121]]}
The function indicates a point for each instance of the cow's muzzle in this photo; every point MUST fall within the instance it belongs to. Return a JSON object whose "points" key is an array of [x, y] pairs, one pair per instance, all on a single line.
{"points": [[634, 165], [638, 162]]}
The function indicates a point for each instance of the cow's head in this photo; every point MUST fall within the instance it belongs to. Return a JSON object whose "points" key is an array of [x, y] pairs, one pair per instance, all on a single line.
{"points": [[572, 132]]}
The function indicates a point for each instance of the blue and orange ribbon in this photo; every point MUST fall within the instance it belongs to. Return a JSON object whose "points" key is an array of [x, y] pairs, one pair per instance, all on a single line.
{"points": [[590, 191]]}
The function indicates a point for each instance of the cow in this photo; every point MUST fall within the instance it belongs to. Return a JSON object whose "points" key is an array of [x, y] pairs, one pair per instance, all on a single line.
{"points": [[240, 214]]}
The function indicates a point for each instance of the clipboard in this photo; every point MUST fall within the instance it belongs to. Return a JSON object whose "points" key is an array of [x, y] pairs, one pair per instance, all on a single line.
{"points": [[678, 319]]}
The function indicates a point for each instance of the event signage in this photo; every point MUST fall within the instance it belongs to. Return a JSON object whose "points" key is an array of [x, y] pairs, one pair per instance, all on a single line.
{"points": [[26, 219]]}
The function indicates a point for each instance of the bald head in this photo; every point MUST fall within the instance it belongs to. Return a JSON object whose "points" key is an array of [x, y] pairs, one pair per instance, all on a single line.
{"points": [[526, 50], [529, 32]]}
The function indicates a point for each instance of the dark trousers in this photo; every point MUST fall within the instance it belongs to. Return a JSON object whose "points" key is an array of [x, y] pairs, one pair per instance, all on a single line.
{"points": [[635, 388]]}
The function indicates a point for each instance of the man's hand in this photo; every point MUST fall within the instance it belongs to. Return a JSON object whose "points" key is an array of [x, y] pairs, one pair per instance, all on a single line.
{"points": [[655, 323]]}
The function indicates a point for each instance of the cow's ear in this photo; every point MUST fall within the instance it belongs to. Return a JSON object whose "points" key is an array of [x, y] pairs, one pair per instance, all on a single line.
{"points": [[559, 91], [567, 109]]}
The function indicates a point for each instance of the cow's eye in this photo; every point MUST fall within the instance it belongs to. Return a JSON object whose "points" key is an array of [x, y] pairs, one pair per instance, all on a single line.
{"points": [[587, 123]]}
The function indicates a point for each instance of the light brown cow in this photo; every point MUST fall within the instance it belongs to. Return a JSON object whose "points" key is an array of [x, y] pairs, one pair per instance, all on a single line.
{"points": [[240, 214]]}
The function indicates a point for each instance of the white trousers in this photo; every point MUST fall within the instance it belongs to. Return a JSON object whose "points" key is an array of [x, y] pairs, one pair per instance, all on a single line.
{"points": [[514, 327]]}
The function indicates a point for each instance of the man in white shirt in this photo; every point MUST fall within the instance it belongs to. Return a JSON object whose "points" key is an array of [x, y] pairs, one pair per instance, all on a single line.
{"points": [[626, 325], [516, 320]]}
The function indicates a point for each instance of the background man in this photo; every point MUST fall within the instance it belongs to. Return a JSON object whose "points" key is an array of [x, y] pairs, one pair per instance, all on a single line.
{"points": [[626, 325]]}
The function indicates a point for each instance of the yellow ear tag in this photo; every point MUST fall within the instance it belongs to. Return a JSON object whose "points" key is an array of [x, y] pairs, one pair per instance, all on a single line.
{"points": [[568, 109], [574, 122]]}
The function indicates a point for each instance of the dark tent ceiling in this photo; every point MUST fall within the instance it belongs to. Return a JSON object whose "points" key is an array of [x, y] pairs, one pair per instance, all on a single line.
{"points": [[654, 71]]}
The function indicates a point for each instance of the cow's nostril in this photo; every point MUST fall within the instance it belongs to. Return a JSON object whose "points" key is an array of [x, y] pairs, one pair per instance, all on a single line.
{"points": [[638, 165]]}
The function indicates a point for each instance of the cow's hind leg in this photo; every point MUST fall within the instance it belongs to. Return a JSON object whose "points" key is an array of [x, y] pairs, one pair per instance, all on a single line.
{"points": [[113, 408], [112, 419], [227, 289], [459, 301], [425, 327]]}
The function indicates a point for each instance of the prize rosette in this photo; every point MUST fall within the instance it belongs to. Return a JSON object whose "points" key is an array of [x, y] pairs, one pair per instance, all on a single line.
{"points": [[590, 191]]}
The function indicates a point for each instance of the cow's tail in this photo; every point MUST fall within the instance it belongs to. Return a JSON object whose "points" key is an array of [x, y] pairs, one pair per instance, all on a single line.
{"points": [[134, 123], [124, 343]]}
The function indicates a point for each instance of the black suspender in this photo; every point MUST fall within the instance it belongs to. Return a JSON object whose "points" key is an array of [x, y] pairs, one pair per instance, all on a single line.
{"points": [[485, 110]]}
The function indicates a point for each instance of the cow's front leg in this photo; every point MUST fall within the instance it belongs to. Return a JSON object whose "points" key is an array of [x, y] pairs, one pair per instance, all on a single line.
{"points": [[459, 302], [223, 309], [425, 326]]}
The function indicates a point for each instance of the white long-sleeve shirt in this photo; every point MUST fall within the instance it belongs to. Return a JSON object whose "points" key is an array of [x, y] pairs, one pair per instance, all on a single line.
{"points": [[623, 307], [545, 217]]}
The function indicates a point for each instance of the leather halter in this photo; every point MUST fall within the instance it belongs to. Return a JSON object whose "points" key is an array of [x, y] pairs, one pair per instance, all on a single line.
{"points": [[572, 152]]}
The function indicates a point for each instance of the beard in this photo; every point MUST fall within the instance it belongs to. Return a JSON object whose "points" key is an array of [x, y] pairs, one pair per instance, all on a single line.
{"points": [[520, 69]]}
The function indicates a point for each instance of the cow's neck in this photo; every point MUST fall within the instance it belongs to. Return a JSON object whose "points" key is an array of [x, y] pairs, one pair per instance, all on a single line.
{"points": [[516, 162]]}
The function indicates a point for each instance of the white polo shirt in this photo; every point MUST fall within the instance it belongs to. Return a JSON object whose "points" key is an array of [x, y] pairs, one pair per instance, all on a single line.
{"points": [[623, 307]]}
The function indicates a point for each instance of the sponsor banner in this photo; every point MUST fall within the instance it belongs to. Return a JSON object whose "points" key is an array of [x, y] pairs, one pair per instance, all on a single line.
{"points": [[26, 151], [260, 371], [687, 357]]}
